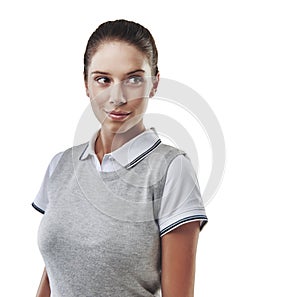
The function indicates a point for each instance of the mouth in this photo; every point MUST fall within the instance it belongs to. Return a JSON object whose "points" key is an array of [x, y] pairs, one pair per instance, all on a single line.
{"points": [[118, 114]]}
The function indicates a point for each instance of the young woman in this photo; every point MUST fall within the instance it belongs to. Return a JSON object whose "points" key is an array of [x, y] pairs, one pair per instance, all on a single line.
{"points": [[122, 212]]}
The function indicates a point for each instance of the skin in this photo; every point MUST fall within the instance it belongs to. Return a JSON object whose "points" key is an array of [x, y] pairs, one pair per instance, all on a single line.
{"points": [[44, 287], [113, 83], [119, 78], [179, 260]]}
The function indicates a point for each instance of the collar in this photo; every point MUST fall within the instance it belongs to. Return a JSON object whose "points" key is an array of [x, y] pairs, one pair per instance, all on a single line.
{"points": [[131, 152]]}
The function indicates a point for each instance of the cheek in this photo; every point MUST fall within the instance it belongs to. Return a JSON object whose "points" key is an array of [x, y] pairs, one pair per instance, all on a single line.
{"points": [[133, 93], [138, 105], [98, 97]]}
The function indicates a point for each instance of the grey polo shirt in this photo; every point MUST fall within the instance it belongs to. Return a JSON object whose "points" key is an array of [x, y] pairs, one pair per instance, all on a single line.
{"points": [[181, 200], [100, 235]]}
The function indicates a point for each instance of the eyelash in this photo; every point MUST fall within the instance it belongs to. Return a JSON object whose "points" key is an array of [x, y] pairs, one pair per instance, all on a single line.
{"points": [[138, 80], [97, 79]]}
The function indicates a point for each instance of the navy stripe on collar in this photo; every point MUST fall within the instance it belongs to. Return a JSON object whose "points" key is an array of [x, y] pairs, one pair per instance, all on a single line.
{"points": [[143, 155], [83, 151]]}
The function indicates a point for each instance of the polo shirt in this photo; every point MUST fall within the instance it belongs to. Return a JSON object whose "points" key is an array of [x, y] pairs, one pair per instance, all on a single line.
{"points": [[100, 235], [181, 200]]}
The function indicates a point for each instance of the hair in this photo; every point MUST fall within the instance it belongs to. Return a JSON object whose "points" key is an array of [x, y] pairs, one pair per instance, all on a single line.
{"points": [[126, 31]]}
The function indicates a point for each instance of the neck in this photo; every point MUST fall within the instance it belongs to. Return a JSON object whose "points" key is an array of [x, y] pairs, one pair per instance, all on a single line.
{"points": [[108, 141]]}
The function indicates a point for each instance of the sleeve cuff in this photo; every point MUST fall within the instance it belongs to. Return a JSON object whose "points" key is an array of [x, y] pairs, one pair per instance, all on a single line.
{"points": [[179, 220], [37, 208]]}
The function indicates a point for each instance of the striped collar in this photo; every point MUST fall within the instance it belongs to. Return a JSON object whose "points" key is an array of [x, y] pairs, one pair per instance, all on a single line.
{"points": [[130, 153]]}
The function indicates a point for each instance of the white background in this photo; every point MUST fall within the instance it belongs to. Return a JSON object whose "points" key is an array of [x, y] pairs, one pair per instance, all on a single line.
{"points": [[241, 56]]}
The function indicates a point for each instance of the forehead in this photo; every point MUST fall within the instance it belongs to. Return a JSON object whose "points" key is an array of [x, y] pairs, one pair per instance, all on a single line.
{"points": [[118, 57]]}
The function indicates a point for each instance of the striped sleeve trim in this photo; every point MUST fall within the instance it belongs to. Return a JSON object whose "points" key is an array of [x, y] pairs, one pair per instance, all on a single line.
{"points": [[202, 218], [37, 208]]}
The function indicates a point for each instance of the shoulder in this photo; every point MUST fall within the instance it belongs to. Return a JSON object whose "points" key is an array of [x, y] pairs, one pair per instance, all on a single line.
{"points": [[79, 149], [168, 152], [169, 148], [178, 158], [54, 161], [181, 164], [161, 157], [75, 150]]}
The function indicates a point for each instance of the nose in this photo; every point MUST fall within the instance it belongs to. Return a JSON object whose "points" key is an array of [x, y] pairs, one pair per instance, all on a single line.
{"points": [[116, 95]]}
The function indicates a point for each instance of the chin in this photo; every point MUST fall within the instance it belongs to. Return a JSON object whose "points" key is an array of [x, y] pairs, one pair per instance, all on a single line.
{"points": [[118, 127]]}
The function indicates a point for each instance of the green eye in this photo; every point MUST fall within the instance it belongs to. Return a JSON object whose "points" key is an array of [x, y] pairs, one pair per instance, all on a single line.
{"points": [[134, 81]]}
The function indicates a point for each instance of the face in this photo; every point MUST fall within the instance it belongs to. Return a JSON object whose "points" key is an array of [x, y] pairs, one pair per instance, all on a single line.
{"points": [[119, 84]]}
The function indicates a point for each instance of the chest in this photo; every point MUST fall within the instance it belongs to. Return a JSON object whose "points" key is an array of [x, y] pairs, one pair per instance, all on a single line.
{"points": [[100, 228]]}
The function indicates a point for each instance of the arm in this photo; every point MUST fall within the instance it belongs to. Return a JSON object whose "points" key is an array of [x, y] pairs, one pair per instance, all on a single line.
{"points": [[44, 288], [178, 260]]}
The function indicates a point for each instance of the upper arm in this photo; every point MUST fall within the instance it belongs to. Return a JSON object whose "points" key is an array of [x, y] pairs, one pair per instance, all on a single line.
{"points": [[179, 260], [41, 199], [181, 201]]}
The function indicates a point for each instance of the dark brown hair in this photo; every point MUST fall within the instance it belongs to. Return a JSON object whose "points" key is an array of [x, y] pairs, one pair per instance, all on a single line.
{"points": [[122, 30]]}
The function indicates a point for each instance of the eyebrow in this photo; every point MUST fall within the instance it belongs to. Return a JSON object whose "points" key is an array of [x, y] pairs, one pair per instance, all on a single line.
{"points": [[107, 73]]}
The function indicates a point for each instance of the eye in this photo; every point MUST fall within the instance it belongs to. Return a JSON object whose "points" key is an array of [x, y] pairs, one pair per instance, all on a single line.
{"points": [[103, 80], [134, 81]]}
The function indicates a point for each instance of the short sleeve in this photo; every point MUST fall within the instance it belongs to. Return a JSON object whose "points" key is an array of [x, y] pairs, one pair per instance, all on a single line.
{"points": [[181, 201], [41, 200]]}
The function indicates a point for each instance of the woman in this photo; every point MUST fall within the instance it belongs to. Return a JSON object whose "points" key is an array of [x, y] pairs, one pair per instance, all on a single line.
{"points": [[122, 212]]}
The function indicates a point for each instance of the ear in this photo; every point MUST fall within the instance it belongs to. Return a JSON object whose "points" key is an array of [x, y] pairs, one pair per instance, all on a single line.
{"points": [[86, 88], [155, 85]]}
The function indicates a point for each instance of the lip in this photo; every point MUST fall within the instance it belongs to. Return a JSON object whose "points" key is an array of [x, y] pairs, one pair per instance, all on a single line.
{"points": [[118, 114]]}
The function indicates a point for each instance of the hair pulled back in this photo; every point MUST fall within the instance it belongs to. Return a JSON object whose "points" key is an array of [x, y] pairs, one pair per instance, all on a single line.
{"points": [[122, 30]]}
